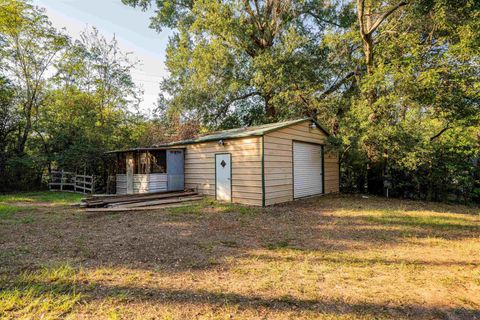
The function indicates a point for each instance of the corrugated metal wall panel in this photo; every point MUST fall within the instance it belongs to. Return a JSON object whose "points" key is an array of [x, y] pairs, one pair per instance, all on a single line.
{"points": [[307, 169], [143, 183], [121, 183]]}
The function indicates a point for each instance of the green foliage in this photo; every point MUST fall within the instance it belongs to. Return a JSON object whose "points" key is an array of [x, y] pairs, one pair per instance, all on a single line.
{"points": [[63, 102], [228, 67], [401, 99], [415, 123]]}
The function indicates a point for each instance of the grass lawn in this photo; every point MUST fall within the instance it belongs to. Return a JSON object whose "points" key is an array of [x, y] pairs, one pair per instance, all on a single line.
{"points": [[331, 257], [52, 197]]}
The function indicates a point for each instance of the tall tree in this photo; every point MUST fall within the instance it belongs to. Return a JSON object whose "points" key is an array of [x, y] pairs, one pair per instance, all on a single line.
{"points": [[31, 46], [8, 120], [246, 59], [92, 106], [62, 103], [371, 15], [421, 82]]}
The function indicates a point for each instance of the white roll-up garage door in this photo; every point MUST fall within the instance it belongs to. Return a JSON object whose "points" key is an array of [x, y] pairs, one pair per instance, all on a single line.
{"points": [[307, 169]]}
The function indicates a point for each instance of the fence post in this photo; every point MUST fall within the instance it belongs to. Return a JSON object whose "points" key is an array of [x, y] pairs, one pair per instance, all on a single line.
{"points": [[79, 183]]}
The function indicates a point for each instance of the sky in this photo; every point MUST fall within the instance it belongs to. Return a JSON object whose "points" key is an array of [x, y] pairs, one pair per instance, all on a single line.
{"points": [[130, 27]]}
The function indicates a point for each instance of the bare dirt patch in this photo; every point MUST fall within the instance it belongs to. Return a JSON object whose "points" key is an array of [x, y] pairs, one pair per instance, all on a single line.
{"points": [[333, 257]]}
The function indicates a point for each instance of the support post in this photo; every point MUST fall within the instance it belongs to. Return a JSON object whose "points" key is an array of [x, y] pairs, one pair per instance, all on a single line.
{"points": [[130, 169]]}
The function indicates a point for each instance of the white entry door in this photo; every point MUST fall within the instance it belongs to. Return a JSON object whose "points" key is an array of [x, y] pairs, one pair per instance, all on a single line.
{"points": [[223, 172], [307, 169]]}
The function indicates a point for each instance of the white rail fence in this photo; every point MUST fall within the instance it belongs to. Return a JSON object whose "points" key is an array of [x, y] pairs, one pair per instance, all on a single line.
{"points": [[70, 181]]}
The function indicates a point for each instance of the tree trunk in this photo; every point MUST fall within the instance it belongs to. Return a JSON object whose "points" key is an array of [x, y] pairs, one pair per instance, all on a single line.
{"points": [[22, 139], [368, 48], [23, 136], [270, 110]]}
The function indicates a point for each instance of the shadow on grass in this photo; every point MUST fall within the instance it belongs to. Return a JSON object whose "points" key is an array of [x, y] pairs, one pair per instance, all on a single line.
{"points": [[181, 240], [348, 260], [203, 238], [358, 202], [426, 221], [57, 297]]}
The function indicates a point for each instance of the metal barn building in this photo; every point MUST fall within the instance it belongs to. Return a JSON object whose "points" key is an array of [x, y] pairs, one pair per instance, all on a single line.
{"points": [[260, 165]]}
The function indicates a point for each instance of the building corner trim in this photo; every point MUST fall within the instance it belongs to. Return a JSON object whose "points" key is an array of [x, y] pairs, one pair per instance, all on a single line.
{"points": [[263, 171]]}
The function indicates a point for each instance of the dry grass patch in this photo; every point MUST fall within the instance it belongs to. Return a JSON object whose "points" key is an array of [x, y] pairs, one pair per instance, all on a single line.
{"points": [[333, 257]]}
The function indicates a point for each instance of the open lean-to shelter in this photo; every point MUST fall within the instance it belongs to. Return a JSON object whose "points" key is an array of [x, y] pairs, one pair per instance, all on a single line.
{"points": [[261, 165]]}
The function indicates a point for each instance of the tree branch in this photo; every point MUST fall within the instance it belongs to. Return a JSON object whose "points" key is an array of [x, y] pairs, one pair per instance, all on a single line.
{"points": [[254, 18], [439, 133], [336, 85], [384, 16], [360, 10], [317, 17], [225, 107]]}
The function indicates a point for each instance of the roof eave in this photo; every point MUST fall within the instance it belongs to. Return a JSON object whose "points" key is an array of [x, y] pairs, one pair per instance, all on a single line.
{"points": [[245, 135], [137, 150], [187, 142], [239, 136], [297, 122], [320, 127]]}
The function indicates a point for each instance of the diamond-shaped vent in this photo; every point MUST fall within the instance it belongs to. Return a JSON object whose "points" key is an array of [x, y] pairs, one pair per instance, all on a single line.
{"points": [[223, 163]]}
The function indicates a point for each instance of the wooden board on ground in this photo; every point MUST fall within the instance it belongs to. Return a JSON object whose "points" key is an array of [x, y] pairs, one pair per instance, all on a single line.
{"points": [[156, 202], [143, 198], [155, 207], [118, 200], [136, 195]]}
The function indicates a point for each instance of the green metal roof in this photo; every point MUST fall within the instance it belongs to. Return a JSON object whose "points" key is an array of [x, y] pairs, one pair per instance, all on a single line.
{"points": [[229, 134], [139, 149], [241, 132]]}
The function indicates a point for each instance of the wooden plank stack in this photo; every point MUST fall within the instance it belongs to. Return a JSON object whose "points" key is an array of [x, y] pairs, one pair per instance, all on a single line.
{"points": [[138, 202]]}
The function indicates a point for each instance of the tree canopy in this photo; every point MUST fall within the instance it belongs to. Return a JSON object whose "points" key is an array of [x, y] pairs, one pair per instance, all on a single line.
{"points": [[396, 82], [63, 102]]}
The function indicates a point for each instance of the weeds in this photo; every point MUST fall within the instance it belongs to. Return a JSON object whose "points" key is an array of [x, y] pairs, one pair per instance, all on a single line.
{"points": [[59, 198], [48, 293], [212, 206], [7, 211]]}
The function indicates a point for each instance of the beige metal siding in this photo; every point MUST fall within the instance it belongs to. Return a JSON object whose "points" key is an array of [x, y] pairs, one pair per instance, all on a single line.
{"points": [[278, 161], [246, 168], [332, 172]]}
